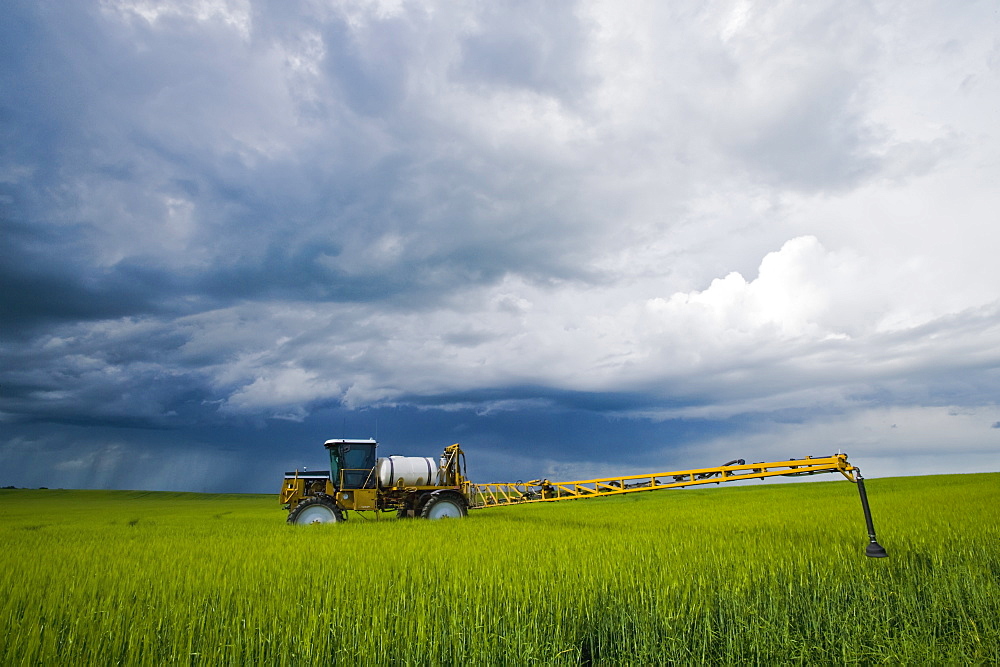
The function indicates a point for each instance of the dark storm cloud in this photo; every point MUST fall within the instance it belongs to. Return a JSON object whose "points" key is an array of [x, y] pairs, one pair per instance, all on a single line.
{"points": [[503, 446], [45, 282], [73, 377], [290, 226], [541, 396]]}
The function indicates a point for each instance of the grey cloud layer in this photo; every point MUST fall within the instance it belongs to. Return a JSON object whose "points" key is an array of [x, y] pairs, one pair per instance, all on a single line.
{"points": [[221, 211]]}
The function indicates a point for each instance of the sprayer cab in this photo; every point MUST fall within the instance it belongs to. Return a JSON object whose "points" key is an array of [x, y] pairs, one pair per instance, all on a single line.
{"points": [[352, 463]]}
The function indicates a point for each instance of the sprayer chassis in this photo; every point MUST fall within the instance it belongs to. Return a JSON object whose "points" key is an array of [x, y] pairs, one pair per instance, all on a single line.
{"points": [[359, 489]]}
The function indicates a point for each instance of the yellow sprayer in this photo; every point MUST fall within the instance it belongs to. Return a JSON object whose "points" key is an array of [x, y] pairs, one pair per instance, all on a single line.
{"points": [[416, 486]]}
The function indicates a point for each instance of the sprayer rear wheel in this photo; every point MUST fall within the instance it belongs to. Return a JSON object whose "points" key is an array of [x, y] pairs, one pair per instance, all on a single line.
{"points": [[445, 506]]}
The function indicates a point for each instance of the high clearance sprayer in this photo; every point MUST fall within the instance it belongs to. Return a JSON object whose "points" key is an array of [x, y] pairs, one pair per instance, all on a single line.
{"points": [[416, 486]]}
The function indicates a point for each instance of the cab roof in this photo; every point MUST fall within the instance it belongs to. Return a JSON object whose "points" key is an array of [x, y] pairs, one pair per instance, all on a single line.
{"points": [[348, 441]]}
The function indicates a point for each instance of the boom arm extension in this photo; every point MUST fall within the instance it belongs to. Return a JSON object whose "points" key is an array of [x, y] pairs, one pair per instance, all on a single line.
{"points": [[542, 490]]}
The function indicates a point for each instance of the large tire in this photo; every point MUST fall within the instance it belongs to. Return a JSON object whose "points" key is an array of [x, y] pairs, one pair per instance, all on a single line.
{"points": [[318, 509], [449, 505]]}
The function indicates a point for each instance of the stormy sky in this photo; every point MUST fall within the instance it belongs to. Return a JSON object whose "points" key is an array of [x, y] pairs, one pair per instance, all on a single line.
{"points": [[580, 238]]}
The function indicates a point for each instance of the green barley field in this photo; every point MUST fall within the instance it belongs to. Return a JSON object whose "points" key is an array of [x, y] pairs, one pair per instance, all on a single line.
{"points": [[760, 574]]}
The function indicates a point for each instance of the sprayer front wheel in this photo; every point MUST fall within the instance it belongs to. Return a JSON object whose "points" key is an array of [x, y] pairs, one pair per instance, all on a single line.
{"points": [[317, 509]]}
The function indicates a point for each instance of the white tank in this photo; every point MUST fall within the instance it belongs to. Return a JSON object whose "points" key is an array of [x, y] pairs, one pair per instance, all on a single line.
{"points": [[407, 471]]}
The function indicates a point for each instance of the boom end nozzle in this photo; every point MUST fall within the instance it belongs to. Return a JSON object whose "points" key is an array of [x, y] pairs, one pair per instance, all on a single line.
{"points": [[875, 550]]}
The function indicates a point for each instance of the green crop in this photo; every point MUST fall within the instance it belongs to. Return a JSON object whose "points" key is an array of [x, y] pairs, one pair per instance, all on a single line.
{"points": [[759, 574]]}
